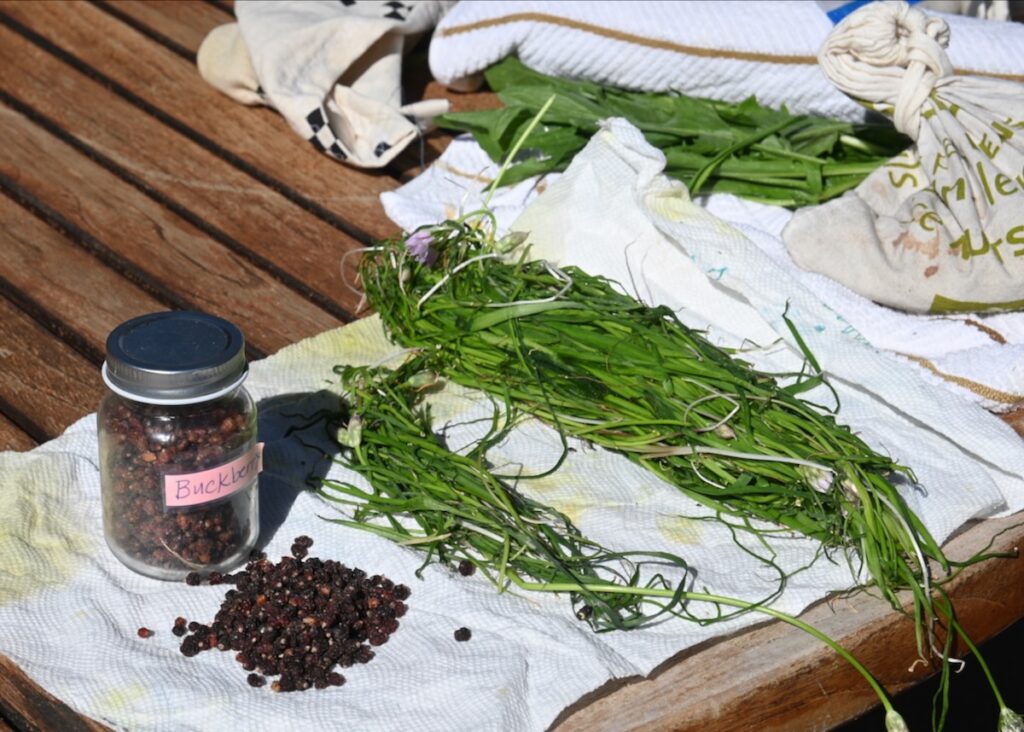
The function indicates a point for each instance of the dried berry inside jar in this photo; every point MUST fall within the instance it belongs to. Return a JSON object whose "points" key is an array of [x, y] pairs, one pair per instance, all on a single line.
{"points": [[179, 457], [144, 445]]}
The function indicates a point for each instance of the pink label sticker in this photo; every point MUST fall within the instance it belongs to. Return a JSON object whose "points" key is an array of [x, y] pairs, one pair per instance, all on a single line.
{"points": [[213, 484]]}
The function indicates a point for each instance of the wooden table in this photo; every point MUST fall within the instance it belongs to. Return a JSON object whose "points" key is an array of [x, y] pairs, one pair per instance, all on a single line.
{"points": [[131, 186]]}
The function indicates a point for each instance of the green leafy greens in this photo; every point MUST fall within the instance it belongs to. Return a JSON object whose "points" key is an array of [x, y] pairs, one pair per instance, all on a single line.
{"points": [[746, 149]]}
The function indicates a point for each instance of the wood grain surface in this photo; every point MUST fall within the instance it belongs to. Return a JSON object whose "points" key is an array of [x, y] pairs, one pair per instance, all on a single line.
{"points": [[13, 437], [180, 26], [53, 277], [195, 270], [46, 384], [129, 185], [25, 707], [231, 207], [161, 83]]}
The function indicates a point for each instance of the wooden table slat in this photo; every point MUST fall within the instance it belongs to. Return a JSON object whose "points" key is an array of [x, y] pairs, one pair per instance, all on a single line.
{"points": [[207, 275], [30, 709], [169, 88], [181, 25], [43, 379], [226, 6], [58, 276], [12, 437], [230, 206]]}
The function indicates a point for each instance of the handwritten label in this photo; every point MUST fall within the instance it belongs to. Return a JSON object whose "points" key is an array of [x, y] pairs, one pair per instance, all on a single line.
{"points": [[213, 484]]}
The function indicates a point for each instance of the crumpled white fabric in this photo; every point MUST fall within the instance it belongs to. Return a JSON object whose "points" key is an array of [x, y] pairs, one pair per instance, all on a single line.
{"points": [[529, 657], [720, 50], [332, 69]]}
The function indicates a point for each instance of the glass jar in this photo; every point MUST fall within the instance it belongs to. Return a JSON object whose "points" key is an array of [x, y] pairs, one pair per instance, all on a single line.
{"points": [[179, 457]]}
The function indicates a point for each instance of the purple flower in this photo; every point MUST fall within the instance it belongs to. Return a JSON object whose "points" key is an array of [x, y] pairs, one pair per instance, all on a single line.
{"points": [[420, 246]]}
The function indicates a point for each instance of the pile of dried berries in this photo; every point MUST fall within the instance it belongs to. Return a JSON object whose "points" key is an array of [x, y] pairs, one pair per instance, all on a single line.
{"points": [[298, 618], [145, 442]]}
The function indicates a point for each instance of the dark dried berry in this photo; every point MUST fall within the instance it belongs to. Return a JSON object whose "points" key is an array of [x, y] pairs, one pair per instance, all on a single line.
{"points": [[463, 634], [179, 630], [144, 632], [300, 618], [215, 578], [466, 568], [189, 646], [256, 680], [193, 578]]}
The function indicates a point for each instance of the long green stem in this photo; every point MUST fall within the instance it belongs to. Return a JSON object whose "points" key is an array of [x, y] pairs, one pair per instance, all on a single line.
{"points": [[510, 158]]}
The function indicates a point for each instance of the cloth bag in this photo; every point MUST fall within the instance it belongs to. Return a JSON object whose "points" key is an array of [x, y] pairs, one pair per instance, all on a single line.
{"points": [[939, 228], [332, 69]]}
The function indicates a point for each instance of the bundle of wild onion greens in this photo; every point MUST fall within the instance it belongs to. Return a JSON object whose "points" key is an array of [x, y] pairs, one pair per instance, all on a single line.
{"points": [[459, 510], [746, 149], [572, 350], [450, 505]]}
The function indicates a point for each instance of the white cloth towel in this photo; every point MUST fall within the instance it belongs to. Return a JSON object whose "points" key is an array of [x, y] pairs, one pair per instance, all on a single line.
{"points": [[720, 50], [332, 69]]}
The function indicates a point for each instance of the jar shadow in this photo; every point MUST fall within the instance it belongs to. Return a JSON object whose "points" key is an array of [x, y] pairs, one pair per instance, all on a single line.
{"points": [[298, 449]]}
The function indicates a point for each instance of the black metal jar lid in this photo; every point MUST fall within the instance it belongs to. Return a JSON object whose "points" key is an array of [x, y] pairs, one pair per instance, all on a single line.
{"points": [[175, 358]]}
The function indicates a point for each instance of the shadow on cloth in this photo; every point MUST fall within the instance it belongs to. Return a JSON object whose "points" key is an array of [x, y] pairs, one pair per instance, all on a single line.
{"points": [[298, 449]]}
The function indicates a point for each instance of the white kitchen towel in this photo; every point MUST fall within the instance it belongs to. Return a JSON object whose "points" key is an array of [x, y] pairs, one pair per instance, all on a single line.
{"points": [[720, 50], [332, 69], [980, 358], [529, 656]]}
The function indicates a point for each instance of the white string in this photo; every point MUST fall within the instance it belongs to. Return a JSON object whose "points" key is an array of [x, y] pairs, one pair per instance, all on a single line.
{"points": [[458, 268], [344, 260], [889, 53], [667, 451], [554, 272]]}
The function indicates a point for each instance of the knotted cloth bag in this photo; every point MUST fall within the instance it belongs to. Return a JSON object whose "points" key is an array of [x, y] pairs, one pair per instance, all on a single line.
{"points": [[939, 228]]}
